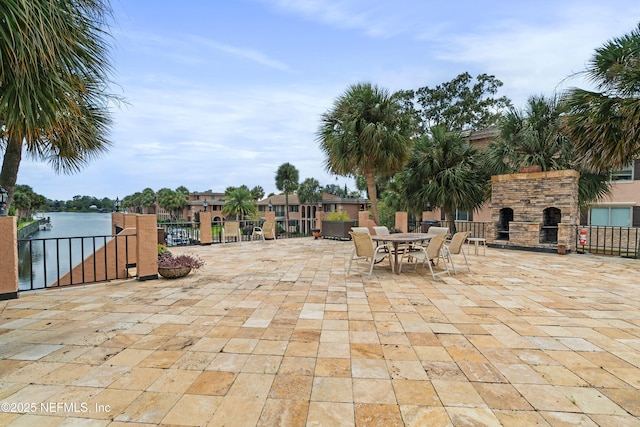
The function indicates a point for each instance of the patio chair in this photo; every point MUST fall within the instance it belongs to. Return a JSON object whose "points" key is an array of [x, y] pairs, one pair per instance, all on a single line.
{"points": [[231, 229], [429, 255], [364, 249], [361, 230], [434, 231], [267, 231], [456, 247], [381, 230]]}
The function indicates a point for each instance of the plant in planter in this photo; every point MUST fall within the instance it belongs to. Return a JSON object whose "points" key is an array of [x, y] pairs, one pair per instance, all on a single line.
{"points": [[337, 225], [173, 267]]}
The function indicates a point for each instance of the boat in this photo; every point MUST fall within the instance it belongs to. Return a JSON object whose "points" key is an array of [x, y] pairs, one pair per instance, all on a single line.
{"points": [[45, 226], [44, 222]]}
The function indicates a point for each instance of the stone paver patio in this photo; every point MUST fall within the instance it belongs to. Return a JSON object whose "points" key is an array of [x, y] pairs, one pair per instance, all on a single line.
{"points": [[276, 334]]}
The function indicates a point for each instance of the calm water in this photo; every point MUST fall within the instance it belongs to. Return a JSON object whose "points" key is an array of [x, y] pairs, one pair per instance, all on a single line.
{"points": [[58, 254]]}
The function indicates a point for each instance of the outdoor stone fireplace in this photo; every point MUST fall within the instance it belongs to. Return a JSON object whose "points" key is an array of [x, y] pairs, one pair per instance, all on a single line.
{"points": [[534, 210]]}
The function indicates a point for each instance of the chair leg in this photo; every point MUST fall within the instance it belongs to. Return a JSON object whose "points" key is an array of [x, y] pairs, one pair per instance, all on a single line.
{"points": [[465, 259], [351, 260]]}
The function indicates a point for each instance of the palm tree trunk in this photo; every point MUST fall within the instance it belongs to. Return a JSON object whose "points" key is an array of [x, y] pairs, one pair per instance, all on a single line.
{"points": [[373, 196], [10, 165], [286, 213], [451, 220]]}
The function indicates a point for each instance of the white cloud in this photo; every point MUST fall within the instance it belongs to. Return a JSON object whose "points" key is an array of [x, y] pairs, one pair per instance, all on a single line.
{"points": [[212, 107]]}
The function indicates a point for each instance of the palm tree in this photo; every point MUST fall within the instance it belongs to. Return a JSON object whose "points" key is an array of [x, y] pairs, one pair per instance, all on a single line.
{"points": [[310, 191], [53, 73], [239, 202], [535, 137], [605, 124], [367, 134], [173, 201], [257, 192], [444, 171], [287, 178], [148, 198]]}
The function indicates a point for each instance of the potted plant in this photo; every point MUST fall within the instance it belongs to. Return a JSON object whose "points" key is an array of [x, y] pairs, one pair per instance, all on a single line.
{"points": [[316, 233], [172, 267], [337, 225]]}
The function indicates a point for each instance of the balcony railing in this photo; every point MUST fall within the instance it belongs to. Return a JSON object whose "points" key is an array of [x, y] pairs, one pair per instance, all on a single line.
{"points": [[63, 261]]}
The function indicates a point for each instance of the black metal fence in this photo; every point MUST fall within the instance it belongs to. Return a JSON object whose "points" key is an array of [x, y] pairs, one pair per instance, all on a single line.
{"points": [[64, 261], [609, 240], [188, 233]]}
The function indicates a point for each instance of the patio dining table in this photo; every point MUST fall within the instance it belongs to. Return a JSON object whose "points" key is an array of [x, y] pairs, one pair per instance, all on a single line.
{"points": [[396, 238]]}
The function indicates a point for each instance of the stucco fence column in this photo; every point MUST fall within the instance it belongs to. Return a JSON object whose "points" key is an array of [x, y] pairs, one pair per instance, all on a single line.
{"points": [[402, 221], [205, 228], [146, 247], [8, 258]]}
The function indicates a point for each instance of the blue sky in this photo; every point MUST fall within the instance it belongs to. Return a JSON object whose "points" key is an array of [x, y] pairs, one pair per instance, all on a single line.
{"points": [[221, 93]]}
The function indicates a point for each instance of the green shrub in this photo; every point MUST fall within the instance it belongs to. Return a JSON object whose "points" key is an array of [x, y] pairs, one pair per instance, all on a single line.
{"points": [[337, 216]]}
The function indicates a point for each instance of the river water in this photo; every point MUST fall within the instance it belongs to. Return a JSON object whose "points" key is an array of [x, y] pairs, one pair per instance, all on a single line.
{"points": [[60, 247]]}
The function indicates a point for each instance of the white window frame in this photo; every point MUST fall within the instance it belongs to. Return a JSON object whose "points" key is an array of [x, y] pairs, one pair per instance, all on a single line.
{"points": [[623, 174], [609, 208], [458, 214]]}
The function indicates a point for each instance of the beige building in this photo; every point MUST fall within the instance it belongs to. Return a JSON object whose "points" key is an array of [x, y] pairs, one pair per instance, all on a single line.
{"points": [[621, 208]]}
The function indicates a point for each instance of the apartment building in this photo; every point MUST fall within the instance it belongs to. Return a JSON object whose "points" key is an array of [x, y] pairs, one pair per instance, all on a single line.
{"points": [[302, 217], [620, 208]]}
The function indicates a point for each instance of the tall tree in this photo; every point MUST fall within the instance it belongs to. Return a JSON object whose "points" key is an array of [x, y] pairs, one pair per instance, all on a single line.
{"points": [[365, 133], [535, 136], [445, 172], [605, 124], [173, 201], [336, 190], [310, 191], [148, 198], [257, 193], [287, 178], [239, 203], [53, 73], [461, 104]]}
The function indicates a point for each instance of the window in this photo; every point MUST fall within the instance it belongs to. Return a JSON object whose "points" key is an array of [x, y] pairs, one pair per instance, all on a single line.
{"points": [[624, 174], [462, 215], [458, 215], [293, 208], [620, 217], [279, 210]]}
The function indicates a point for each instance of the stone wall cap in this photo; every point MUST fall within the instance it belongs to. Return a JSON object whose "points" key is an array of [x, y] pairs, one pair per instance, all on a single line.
{"points": [[536, 175]]}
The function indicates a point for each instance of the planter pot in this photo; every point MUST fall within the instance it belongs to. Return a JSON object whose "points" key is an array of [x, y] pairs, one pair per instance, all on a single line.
{"points": [[337, 229], [316, 233], [562, 249], [173, 272]]}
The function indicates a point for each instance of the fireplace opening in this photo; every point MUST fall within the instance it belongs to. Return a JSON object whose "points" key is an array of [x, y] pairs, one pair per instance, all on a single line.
{"points": [[504, 218], [551, 217]]}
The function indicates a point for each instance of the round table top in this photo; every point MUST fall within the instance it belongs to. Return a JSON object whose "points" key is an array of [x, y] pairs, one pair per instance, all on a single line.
{"points": [[403, 237]]}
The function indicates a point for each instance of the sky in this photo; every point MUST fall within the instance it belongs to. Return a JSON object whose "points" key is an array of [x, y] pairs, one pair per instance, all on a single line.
{"points": [[221, 93]]}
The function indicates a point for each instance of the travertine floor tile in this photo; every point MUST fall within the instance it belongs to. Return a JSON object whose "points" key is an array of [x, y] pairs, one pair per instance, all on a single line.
{"points": [[237, 411], [283, 412], [330, 414], [378, 414], [327, 389], [192, 410], [285, 337]]}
